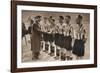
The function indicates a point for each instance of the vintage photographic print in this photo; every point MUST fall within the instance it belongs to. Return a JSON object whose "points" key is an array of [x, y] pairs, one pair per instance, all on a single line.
{"points": [[55, 36], [52, 36]]}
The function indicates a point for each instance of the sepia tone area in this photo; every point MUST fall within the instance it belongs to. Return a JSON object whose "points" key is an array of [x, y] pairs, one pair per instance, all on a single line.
{"points": [[52, 48]]}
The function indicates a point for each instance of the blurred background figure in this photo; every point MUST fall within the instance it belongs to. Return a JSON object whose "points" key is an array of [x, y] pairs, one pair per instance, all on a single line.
{"points": [[24, 32]]}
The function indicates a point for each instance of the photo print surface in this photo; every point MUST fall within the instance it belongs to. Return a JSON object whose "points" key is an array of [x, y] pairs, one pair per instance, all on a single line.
{"points": [[54, 36]]}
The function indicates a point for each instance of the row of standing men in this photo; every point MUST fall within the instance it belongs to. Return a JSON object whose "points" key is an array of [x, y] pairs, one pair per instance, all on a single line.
{"points": [[56, 38]]}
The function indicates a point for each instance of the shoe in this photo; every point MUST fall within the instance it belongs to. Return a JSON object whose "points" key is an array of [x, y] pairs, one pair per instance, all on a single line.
{"points": [[68, 57], [71, 58]]}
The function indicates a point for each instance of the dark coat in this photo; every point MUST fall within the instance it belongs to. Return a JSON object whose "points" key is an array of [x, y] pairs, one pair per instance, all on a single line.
{"points": [[36, 38], [24, 31], [29, 30]]}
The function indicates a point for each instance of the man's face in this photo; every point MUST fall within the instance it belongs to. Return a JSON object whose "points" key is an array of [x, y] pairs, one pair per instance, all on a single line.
{"points": [[60, 20], [78, 21], [39, 19], [67, 20]]}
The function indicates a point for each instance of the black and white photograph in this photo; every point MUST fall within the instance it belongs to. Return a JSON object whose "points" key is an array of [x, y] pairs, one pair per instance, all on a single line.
{"points": [[55, 36]]}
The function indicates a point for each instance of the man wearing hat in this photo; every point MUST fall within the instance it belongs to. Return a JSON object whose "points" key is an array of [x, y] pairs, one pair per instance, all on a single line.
{"points": [[35, 43]]}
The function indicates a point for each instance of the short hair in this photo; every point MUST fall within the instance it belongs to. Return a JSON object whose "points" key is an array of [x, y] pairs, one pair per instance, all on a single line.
{"points": [[68, 16], [50, 16], [61, 17], [38, 17], [80, 17]]}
